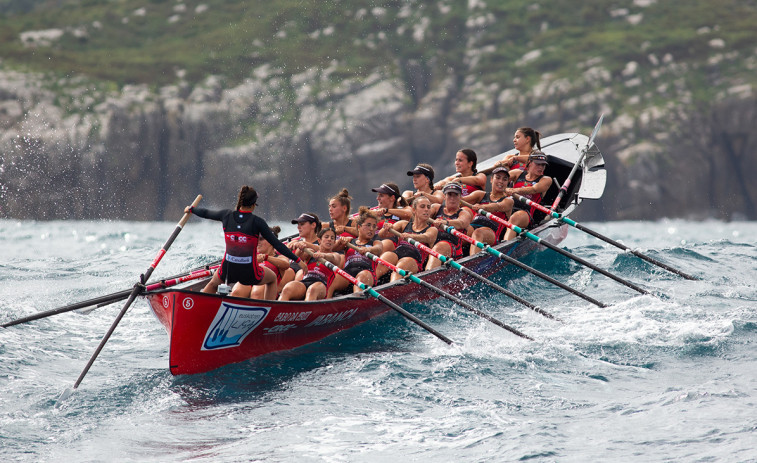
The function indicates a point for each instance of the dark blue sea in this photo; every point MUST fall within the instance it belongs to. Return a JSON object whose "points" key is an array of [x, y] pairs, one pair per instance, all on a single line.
{"points": [[670, 376]]}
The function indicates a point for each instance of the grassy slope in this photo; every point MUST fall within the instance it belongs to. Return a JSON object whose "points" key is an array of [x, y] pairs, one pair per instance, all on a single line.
{"points": [[231, 37]]}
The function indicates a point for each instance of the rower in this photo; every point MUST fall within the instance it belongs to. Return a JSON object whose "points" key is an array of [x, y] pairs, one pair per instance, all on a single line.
{"points": [[392, 207], [449, 213], [498, 203], [532, 184], [466, 174]]}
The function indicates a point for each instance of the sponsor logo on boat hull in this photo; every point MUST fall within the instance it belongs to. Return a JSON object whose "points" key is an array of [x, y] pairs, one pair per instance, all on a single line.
{"points": [[232, 324]]}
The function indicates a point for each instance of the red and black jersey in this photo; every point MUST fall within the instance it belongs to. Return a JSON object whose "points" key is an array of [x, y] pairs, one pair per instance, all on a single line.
{"points": [[242, 231]]}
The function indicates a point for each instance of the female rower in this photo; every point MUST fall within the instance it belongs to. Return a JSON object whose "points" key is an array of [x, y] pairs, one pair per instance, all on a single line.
{"points": [[497, 202], [356, 263], [315, 284], [524, 140], [339, 210], [242, 231], [392, 207], [268, 256], [532, 184], [449, 213], [406, 256], [423, 182], [308, 226], [466, 174]]}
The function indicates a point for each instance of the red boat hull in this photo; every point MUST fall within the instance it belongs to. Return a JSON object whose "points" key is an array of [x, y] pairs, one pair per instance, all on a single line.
{"points": [[208, 331]]}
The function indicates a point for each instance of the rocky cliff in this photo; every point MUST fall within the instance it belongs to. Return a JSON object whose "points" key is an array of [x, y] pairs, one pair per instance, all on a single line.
{"points": [[142, 154]]}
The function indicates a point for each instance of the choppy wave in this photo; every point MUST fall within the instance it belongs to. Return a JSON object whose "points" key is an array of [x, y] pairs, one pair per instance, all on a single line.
{"points": [[665, 376]]}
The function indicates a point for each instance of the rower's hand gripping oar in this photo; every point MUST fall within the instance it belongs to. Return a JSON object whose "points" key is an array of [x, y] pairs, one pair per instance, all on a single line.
{"points": [[454, 264], [372, 292], [138, 288], [520, 264], [531, 236], [606, 239], [409, 276], [566, 184]]}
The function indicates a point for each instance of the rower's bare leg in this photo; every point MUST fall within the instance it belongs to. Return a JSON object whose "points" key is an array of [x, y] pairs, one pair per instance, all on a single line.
{"points": [[520, 219]]}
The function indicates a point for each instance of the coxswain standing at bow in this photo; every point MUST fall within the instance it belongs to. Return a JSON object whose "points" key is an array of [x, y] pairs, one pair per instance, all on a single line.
{"points": [[532, 184], [497, 202], [242, 229], [467, 176], [449, 213]]}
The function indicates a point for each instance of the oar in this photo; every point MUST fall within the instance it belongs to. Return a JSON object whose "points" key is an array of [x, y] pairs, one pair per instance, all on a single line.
{"points": [[565, 253], [372, 292], [566, 184], [606, 239], [138, 288], [456, 300], [110, 298], [520, 264], [454, 264]]}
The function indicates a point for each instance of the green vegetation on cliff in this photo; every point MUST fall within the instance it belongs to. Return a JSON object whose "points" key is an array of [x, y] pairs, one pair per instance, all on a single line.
{"points": [[516, 42]]}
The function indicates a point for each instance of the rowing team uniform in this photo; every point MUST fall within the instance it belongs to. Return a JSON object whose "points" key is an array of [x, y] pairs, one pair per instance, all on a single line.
{"points": [[480, 221], [350, 223], [468, 189], [454, 242], [317, 272], [275, 270], [242, 231], [391, 219], [535, 197], [405, 249], [354, 262]]}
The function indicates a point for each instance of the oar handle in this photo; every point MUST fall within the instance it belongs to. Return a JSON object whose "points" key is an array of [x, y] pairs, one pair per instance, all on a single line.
{"points": [[372, 292], [458, 301]]}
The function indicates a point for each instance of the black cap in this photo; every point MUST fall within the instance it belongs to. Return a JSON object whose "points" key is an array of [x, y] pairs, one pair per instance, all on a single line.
{"points": [[453, 188], [427, 171], [305, 218], [538, 157], [501, 169], [386, 189]]}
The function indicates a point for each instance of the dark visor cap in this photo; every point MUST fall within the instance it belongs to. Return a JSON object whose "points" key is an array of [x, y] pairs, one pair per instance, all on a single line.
{"points": [[386, 189], [421, 170], [304, 218]]}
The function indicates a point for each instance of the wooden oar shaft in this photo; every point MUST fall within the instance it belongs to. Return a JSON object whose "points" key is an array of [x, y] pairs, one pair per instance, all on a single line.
{"points": [[135, 292], [110, 298], [531, 236], [372, 292], [604, 238], [409, 275]]}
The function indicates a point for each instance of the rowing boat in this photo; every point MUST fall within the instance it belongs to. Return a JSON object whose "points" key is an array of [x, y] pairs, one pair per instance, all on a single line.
{"points": [[207, 331]]}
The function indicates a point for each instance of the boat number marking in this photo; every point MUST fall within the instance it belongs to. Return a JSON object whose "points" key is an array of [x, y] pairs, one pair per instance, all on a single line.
{"points": [[188, 303], [166, 302], [232, 324]]}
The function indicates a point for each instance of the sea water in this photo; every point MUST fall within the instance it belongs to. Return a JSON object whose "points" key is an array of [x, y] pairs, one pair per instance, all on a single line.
{"points": [[670, 376]]}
